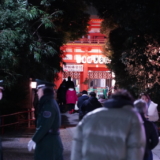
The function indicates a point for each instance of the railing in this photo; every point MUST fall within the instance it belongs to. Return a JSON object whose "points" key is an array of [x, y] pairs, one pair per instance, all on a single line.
{"points": [[83, 40], [20, 118], [29, 120]]}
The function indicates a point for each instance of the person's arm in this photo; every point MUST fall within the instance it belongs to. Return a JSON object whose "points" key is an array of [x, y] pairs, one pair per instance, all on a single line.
{"points": [[154, 137], [99, 105], [152, 108], [153, 112], [76, 98], [46, 121], [78, 102], [66, 95], [136, 139], [76, 151], [83, 107]]}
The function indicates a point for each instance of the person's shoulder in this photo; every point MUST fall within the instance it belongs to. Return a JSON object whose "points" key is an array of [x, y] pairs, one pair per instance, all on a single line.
{"points": [[80, 98], [96, 112], [85, 102], [130, 112], [153, 104], [85, 97]]}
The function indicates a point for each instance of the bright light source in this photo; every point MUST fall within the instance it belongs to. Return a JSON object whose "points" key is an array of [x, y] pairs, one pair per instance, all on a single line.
{"points": [[33, 85]]}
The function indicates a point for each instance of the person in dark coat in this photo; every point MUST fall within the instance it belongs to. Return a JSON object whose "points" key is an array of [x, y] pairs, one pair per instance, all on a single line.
{"points": [[90, 104], [46, 140], [81, 99], [61, 96], [150, 129], [69, 83], [1, 95]]}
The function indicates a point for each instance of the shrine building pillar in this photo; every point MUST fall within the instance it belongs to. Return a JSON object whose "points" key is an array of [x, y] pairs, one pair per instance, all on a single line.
{"points": [[84, 74], [59, 81]]}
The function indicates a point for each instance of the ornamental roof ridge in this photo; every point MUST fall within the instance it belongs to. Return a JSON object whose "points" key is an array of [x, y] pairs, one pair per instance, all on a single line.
{"points": [[96, 20], [84, 44]]}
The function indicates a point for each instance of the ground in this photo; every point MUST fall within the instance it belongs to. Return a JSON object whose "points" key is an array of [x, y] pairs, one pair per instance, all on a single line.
{"points": [[14, 143]]}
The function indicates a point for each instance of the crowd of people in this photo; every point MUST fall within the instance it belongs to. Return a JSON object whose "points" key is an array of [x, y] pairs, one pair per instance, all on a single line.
{"points": [[115, 125], [68, 99], [113, 128]]}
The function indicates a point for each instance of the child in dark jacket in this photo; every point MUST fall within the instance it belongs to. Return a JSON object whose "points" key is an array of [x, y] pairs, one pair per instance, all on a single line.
{"points": [[150, 129]]}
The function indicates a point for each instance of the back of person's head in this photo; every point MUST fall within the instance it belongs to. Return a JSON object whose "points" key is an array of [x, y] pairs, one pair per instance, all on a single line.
{"points": [[64, 81], [141, 106], [101, 96], [144, 94], [84, 92], [92, 94], [69, 78], [48, 91], [122, 94]]}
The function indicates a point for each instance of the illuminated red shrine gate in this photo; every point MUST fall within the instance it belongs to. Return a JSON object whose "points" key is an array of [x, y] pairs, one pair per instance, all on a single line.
{"points": [[85, 62]]}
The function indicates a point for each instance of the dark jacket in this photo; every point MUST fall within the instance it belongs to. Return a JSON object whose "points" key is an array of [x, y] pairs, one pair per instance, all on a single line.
{"points": [[151, 137], [61, 94], [109, 134], [70, 83], [48, 141], [81, 100], [79, 104], [89, 105]]}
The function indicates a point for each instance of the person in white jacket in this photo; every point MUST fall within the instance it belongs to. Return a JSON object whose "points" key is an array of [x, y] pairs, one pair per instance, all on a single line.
{"points": [[152, 112], [112, 132]]}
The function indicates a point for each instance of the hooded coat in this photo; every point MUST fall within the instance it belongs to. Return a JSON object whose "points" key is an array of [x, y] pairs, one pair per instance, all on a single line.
{"points": [[79, 104], [113, 132], [89, 105]]}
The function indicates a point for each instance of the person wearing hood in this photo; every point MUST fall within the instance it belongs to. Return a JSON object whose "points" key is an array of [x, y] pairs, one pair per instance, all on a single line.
{"points": [[81, 99], [71, 98], [152, 111], [150, 129], [90, 104], [61, 96], [112, 132], [69, 83], [46, 140]]}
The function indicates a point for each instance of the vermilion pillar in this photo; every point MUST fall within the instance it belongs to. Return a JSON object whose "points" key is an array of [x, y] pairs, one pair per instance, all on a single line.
{"points": [[83, 77], [59, 81]]}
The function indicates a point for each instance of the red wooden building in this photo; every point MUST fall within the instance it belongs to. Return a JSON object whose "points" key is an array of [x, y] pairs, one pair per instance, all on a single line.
{"points": [[85, 61]]}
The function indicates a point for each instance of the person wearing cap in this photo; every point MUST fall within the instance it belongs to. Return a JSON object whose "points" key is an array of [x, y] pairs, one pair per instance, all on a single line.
{"points": [[46, 141]]}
